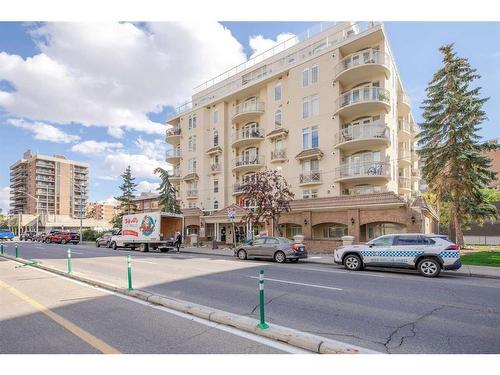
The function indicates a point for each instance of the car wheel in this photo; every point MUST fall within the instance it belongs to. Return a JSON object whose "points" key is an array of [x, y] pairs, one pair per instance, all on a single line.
{"points": [[97, 244], [242, 254], [113, 245], [352, 262], [280, 257], [108, 244], [63, 242], [47, 241], [429, 267]]}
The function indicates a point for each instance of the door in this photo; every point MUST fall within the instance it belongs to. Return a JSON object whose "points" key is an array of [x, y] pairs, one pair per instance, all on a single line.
{"points": [[270, 247], [406, 248], [379, 249], [257, 247]]}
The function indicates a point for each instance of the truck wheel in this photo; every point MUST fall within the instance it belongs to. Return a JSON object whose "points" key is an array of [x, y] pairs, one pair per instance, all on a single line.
{"points": [[144, 248]]}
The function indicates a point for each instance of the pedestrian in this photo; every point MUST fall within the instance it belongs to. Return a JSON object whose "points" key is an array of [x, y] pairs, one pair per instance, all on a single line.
{"points": [[178, 241]]}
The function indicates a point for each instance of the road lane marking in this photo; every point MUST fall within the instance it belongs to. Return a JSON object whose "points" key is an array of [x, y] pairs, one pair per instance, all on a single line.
{"points": [[315, 257], [73, 328], [296, 283], [76, 252], [143, 261], [343, 272]]}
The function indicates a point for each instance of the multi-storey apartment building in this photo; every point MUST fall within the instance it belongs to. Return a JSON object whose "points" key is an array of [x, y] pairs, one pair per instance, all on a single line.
{"points": [[57, 184], [147, 202], [100, 211], [329, 111]]}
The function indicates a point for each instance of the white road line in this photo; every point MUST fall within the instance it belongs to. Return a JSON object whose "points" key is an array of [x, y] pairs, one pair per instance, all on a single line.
{"points": [[76, 252], [142, 261], [259, 339], [315, 257], [295, 283], [343, 272]]}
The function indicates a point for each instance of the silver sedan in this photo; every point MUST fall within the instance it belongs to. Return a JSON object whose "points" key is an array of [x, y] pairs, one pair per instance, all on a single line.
{"points": [[278, 248]]}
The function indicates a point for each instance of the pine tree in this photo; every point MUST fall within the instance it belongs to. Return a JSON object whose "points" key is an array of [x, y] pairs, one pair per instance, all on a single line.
{"points": [[125, 203], [455, 167], [166, 190]]}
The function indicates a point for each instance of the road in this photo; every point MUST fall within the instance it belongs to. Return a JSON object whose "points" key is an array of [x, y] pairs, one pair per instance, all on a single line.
{"points": [[393, 312], [45, 313]]}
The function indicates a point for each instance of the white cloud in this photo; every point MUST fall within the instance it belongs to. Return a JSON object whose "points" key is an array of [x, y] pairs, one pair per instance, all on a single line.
{"points": [[141, 165], [44, 132], [146, 187], [259, 44], [152, 149], [110, 200], [113, 74], [5, 199], [95, 147]]}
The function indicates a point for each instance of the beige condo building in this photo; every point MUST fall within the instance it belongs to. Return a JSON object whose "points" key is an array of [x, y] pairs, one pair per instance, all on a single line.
{"points": [[329, 111], [60, 185]]}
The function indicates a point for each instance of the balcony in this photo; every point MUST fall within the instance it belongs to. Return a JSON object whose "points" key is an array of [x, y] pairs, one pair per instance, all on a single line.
{"points": [[278, 156], [237, 188], [215, 168], [192, 194], [404, 184], [173, 156], [248, 163], [404, 129], [362, 190], [247, 137], [359, 137], [369, 172], [173, 136], [247, 111], [415, 174], [359, 101], [44, 165], [174, 175], [404, 158], [310, 178], [192, 175], [277, 132], [404, 104], [362, 66], [45, 172], [214, 150]]}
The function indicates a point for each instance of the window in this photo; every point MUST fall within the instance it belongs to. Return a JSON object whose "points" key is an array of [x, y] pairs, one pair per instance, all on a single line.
{"points": [[277, 91], [305, 107], [277, 118], [310, 194], [216, 116], [190, 144], [190, 122], [314, 74], [272, 241], [383, 241], [216, 205], [216, 138], [314, 105], [194, 121], [194, 143], [192, 165], [305, 77], [310, 165], [310, 137], [258, 242], [216, 186], [310, 106], [305, 138], [408, 241], [314, 137]]}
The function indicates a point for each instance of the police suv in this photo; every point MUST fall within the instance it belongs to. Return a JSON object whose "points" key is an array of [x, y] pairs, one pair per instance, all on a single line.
{"points": [[428, 254]]}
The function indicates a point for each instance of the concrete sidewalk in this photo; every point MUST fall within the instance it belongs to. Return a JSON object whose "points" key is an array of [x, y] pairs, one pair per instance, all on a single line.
{"points": [[465, 270]]}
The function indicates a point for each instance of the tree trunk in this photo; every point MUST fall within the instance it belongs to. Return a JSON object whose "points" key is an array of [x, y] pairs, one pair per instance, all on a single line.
{"points": [[459, 237]]}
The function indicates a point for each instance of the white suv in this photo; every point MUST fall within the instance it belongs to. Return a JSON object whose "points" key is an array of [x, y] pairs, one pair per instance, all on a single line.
{"points": [[429, 254]]}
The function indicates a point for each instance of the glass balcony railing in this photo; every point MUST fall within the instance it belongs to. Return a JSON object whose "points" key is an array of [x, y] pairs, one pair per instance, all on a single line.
{"points": [[363, 95], [248, 160], [173, 153], [361, 190], [365, 169], [248, 107], [365, 57], [362, 132], [404, 182]]}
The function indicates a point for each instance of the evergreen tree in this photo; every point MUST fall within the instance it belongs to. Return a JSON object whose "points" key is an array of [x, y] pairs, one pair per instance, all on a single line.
{"points": [[456, 168], [166, 190], [125, 203]]}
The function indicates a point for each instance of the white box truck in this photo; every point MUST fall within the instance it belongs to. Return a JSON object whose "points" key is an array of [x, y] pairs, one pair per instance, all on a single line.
{"points": [[148, 231]]}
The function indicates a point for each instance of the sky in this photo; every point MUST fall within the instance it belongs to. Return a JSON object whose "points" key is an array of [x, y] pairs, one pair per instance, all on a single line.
{"points": [[100, 93]]}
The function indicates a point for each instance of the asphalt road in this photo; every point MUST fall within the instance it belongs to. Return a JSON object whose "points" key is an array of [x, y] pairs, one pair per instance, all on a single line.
{"points": [[45, 313], [393, 312]]}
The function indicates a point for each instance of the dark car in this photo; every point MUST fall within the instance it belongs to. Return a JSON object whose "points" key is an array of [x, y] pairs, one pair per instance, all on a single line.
{"points": [[62, 237], [104, 240], [28, 236], [278, 248]]}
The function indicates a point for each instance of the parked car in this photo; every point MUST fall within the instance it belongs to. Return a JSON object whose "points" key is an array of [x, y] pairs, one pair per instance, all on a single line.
{"points": [[28, 236], [428, 254], [105, 240], [62, 237], [6, 234], [278, 248]]}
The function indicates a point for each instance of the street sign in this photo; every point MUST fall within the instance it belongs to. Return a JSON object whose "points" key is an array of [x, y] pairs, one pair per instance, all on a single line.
{"points": [[231, 214]]}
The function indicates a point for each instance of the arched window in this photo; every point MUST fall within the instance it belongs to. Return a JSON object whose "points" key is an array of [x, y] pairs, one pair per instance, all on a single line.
{"points": [[277, 118]]}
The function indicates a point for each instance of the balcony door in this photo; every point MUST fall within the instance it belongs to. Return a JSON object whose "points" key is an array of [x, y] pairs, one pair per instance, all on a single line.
{"points": [[250, 130], [251, 155]]}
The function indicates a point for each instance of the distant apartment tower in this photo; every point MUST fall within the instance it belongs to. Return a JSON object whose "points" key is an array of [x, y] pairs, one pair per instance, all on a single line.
{"points": [[60, 185], [101, 211], [327, 109]]}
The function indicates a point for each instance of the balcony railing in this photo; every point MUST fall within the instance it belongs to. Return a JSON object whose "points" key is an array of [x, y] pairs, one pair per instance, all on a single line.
{"points": [[310, 177], [366, 169], [233, 76], [361, 190], [278, 154], [404, 182], [365, 57], [404, 126], [172, 132], [248, 160], [173, 153], [238, 187], [404, 155], [248, 107], [403, 98], [358, 132], [192, 193], [248, 134], [175, 173], [363, 95]]}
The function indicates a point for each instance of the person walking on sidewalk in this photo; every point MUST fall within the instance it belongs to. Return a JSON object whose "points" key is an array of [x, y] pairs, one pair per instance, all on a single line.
{"points": [[178, 241]]}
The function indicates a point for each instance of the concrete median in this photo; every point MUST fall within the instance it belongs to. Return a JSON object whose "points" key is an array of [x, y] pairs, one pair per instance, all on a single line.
{"points": [[303, 340]]}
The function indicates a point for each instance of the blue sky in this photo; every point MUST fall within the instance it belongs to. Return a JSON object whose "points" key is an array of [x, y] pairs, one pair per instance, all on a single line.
{"points": [[149, 87]]}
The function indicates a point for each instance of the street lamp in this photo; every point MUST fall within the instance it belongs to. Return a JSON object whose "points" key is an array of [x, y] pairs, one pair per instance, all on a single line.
{"points": [[80, 186], [36, 200]]}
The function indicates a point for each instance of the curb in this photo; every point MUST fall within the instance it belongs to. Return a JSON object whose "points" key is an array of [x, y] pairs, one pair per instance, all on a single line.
{"points": [[307, 341]]}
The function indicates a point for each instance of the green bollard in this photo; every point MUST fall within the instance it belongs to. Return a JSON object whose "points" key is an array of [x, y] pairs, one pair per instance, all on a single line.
{"points": [[129, 266], [262, 324], [17, 250], [69, 261]]}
